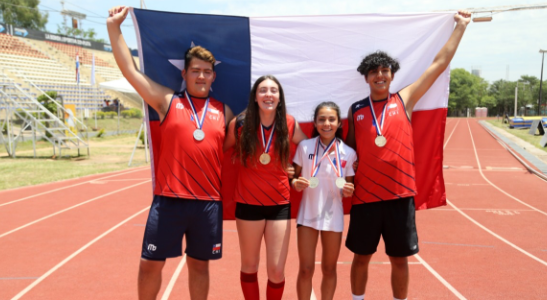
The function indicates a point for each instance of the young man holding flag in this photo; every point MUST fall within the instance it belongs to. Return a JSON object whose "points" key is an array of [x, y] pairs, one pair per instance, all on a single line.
{"points": [[381, 132], [187, 188]]}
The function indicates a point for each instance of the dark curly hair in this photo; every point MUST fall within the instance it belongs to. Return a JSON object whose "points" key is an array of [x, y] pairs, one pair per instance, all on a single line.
{"points": [[375, 60]]}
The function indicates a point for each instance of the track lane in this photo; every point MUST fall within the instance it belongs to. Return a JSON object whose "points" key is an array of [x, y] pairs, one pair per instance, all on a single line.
{"points": [[28, 192], [35, 249]]}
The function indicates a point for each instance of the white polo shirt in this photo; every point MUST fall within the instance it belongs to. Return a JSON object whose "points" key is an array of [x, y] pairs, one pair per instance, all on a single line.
{"points": [[321, 208]]}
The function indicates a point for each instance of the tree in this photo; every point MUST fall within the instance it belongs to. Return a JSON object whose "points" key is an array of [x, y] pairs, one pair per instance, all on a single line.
{"points": [[466, 91], [76, 32], [23, 13], [504, 93]]}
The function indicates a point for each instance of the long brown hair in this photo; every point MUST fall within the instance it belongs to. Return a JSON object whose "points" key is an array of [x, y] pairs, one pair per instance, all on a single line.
{"points": [[248, 145]]}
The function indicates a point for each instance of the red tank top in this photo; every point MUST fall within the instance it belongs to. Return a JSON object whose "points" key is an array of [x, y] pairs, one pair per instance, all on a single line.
{"points": [[265, 185], [187, 168], [384, 173]]}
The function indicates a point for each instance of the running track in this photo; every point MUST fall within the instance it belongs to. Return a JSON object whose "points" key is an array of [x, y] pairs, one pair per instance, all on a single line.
{"points": [[81, 238]]}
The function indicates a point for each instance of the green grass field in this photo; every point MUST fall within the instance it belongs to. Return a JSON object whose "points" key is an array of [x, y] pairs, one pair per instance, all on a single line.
{"points": [[109, 153], [521, 133]]}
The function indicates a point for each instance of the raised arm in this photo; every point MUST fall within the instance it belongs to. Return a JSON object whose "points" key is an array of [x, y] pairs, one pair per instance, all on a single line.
{"points": [[412, 93], [154, 94]]}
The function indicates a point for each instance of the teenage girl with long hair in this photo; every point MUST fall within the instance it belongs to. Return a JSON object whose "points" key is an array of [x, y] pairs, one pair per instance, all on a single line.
{"points": [[262, 135], [323, 169]]}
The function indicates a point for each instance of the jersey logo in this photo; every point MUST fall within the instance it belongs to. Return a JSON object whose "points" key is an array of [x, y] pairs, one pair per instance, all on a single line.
{"points": [[360, 117], [311, 156], [152, 247], [357, 106], [216, 248], [392, 105], [180, 106], [213, 110]]}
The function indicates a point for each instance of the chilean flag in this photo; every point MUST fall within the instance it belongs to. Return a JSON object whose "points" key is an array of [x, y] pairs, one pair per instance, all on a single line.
{"points": [[315, 58]]}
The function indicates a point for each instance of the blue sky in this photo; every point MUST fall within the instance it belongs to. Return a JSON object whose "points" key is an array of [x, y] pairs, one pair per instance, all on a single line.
{"points": [[505, 48]]}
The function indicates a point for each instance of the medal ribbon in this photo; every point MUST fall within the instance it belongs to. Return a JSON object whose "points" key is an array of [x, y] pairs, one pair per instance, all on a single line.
{"points": [[267, 146], [374, 120], [316, 161], [199, 122], [338, 166]]}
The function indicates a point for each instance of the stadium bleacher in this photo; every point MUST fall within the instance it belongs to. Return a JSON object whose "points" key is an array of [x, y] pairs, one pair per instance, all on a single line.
{"points": [[36, 66]]}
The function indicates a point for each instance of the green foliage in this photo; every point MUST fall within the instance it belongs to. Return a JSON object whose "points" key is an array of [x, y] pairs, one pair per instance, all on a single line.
{"points": [[5, 128], [47, 103], [141, 137], [100, 115], [101, 133], [137, 113], [111, 114], [81, 33], [132, 113], [466, 91], [126, 114], [23, 13]]}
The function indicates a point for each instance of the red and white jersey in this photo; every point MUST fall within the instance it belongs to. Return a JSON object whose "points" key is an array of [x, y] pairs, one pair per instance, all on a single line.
{"points": [[384, 173], [265, 185], [188, 168]]}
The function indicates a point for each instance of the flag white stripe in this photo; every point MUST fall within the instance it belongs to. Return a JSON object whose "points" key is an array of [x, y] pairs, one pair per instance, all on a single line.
{"points": [[316, 57]]}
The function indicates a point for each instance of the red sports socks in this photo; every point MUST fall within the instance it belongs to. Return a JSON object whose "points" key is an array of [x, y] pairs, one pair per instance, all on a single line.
{"points": [[249, 286], [274, 291]]}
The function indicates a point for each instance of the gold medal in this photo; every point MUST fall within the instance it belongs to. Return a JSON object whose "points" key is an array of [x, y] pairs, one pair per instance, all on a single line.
{"points": [[380, 141]]}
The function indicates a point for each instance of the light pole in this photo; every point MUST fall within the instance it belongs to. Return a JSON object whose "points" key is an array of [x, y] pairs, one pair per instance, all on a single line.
{"points": [[516, 94], [541, 80]]}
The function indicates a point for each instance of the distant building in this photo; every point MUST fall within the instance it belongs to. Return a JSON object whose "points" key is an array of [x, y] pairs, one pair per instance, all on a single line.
{"points": [[476, 72]]}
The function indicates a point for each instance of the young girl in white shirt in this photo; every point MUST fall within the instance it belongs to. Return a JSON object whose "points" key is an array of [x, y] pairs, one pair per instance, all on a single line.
{"points": [[323, 170]]}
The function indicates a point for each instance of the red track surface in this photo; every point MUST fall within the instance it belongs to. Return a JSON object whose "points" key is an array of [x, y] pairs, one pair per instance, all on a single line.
{"points": [[81, 239]]}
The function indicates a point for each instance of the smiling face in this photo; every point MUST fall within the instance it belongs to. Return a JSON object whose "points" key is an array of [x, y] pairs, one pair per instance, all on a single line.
{"points": [[267, 96], [379, 81], [199, 77], [327, 123]]}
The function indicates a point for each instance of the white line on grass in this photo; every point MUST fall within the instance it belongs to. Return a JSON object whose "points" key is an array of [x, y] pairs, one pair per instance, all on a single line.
{"points": [[37, 281], [66, 187], [174, 278], [69, 208]]}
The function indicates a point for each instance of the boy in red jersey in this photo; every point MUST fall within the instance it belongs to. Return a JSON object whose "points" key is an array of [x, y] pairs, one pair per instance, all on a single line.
{"points": [[187, 193], [381, 126]]}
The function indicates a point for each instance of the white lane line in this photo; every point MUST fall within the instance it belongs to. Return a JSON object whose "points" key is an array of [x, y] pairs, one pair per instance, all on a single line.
{"points": [[174, 278], [69, 208], [37, 281], [496, 235], [454, 129], [439, 277], [424, 263], [486, 179], [67, 187]]}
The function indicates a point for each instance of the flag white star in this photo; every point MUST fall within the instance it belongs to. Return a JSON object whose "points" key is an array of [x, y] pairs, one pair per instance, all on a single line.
{"points": [[179, 64]]}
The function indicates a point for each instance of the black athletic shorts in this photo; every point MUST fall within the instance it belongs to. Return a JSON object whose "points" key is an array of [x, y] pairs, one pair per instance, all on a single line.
{"points": [[170, 219], [250, 212], [394, 220]]}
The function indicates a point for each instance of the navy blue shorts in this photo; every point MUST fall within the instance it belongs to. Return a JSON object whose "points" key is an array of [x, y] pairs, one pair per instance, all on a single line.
{"points": [[170, 219]]}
